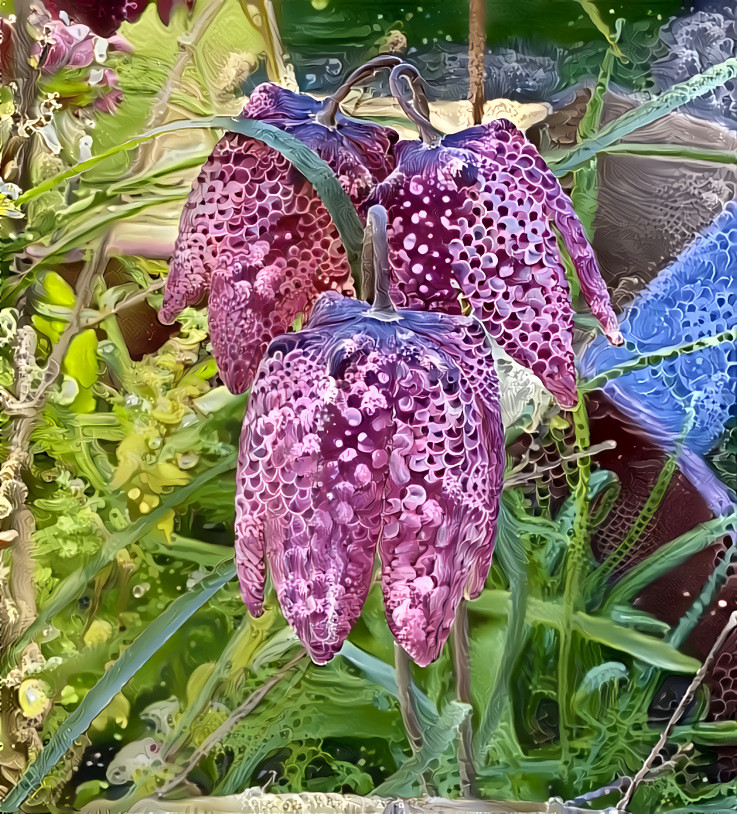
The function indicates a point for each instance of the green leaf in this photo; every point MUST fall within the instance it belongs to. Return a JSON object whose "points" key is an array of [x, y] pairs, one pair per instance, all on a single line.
{"points": [[668, 557], [315, 170], [707, 733], [683, 151], [73, 586], [383, 674], [599, 676], [80, 361], [655, 358], [651, 111], [510, 550], [652, 651], [437, 739], [114, 679], [600, 629]]}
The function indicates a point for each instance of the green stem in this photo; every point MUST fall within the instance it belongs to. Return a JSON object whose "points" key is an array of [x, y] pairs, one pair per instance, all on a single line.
{"points": [[654, 358], [573, 566]]}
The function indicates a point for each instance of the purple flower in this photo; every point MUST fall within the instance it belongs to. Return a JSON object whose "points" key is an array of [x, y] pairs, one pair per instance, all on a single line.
{"points": [[105, 18], [72, 46], [255, 232], [370, 430], [473, 214]]}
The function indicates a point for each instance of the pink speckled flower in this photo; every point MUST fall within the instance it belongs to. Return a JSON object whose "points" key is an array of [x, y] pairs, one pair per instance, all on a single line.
{"points": [[105, 18], [255, 234], [473, 214], [371, 429], [72, 45]]}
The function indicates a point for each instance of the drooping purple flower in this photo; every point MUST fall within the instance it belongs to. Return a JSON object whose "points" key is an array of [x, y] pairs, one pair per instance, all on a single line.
{"points": [[105, 18], [371, 429], [256, 234], [473, 214]]}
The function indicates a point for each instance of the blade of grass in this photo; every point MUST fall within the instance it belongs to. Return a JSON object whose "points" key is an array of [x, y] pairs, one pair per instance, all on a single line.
{"points": [[511, 553], [314, 169], [648, 649], [573, 567], [668, 557], [114, 679], [683, 151], [654, 358], [645, 114], [610, 35]]}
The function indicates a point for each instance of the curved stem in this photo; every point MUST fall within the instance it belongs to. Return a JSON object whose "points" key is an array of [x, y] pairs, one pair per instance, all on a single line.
{"points": [[331, 105], [413, 101], [375, 265]]}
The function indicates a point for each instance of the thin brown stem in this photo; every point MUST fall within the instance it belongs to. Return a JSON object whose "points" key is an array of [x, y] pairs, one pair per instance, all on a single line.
{"points": [[226, 727], [476, 53], [262, 16], [129, 302], [26, 408], [462, 667], [688, 696], [25, 81], [160, 107], [331, 105]]}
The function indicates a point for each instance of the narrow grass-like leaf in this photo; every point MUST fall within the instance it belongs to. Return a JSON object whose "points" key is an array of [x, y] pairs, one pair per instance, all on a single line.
{"points": [[707, 733], [114, 679], [704, 600], [510, 552], [668, 557], [652, 651], [73, 586], [645, 114], [383, 674], [437, 739], [720, 805], [654, 358], [610, 35], [314, 169], [682, 151]]}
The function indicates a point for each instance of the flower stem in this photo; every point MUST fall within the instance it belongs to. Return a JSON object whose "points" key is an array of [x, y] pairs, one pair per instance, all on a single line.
{"points": [[408, 707], [476, 52], [375, 267], [331, 105], [413, 101], [572, 576], [462, 667]]}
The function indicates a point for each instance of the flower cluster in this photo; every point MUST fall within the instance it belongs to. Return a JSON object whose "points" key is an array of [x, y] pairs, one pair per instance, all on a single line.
{"points": [[255, 234], [374, 429]]}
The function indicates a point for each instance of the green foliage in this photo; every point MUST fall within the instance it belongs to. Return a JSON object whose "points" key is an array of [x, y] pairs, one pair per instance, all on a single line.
{"points": [[141, 649]]}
